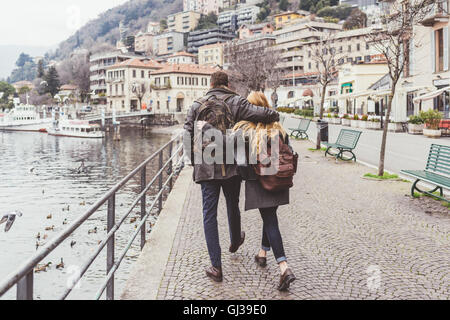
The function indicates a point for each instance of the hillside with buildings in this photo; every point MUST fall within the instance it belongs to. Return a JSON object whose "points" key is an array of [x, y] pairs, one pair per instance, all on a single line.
{"points": [[165, 63], [126, 19]]}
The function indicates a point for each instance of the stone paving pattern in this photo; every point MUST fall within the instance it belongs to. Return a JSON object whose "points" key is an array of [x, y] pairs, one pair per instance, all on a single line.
{"points": [[337, 225]]}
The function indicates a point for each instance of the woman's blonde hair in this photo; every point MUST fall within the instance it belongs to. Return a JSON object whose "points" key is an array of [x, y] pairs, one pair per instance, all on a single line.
{"points": [[256, 131]]}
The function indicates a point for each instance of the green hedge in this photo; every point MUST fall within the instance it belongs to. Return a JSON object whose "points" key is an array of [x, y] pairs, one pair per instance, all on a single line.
{"points": [[305, 113]]}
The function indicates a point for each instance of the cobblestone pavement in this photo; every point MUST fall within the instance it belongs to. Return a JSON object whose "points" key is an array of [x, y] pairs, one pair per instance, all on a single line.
{"points": [[343, 234]]}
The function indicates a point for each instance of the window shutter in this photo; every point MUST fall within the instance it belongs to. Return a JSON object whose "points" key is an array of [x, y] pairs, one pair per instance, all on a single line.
{"points": [[445, 48], [433, 51]]}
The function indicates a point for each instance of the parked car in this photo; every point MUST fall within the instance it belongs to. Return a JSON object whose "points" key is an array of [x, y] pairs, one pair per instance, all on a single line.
{"points": [[86, 109]]}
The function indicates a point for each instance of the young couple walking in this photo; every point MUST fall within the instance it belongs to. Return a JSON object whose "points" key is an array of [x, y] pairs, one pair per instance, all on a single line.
{"points": [[254, 117]]}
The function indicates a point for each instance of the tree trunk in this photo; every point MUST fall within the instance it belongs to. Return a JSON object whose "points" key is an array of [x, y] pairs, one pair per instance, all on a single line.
{"points": [[322, 101], [385, 130]]}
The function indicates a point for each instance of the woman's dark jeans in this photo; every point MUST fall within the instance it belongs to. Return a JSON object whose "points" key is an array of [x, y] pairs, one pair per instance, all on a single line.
{"points": [[271, 234]]}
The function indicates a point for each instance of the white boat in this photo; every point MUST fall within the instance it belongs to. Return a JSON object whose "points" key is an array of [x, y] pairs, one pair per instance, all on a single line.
{"points": [[75, 128], [23, 118]]}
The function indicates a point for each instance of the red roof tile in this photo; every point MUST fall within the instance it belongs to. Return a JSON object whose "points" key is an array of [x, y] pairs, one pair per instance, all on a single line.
{"points": [[185, 68], [138, 63]]}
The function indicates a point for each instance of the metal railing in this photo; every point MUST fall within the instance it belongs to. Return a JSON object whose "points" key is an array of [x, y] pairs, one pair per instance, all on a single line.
{"points": [[23, 276]]}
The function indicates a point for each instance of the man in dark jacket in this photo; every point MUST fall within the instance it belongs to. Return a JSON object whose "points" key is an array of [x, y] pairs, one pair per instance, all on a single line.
{"points": [[214, 177]]}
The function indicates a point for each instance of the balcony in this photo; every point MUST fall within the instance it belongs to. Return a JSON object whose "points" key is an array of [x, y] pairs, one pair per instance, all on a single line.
{"points": [[438, 13], [159, 86], [98, 87]]}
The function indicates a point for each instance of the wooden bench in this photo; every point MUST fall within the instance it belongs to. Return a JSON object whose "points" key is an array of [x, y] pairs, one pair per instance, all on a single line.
{"points": [[345, 143], [300, 132], [437, 172]]}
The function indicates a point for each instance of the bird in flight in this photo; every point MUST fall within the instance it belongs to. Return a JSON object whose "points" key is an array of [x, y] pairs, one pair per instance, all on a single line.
{"points": [[9, 218]]}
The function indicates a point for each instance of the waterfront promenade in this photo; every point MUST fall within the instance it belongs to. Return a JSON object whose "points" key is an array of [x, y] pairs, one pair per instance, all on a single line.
{"points": [[346, 237]]}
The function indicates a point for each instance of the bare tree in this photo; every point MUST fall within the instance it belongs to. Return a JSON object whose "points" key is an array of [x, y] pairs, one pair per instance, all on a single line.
{"points": [[139, 90], [326, 57], [251, 65], [392, 42], [75, 70]]}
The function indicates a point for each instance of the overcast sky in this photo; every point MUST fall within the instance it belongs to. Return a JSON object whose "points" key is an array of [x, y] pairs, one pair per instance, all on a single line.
{"points": [[46, 22]]}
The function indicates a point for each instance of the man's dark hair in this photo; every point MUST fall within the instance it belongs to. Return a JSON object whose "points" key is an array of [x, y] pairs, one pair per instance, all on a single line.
{"points": [[219, 79]]}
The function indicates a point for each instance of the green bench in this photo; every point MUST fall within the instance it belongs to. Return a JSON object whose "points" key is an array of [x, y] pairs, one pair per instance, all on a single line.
{"points": [[437, 172], [345, 143], [300, 132]]}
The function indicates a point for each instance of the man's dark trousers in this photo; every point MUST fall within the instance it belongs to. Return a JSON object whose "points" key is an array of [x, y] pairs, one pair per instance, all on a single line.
{"points": [[211, 193]]}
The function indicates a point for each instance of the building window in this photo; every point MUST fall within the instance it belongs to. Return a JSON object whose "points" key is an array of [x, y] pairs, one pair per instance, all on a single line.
{"points": [[134, 73], [358, 47], [166, 81], [142, 74], [350, 48], [439, 50]]}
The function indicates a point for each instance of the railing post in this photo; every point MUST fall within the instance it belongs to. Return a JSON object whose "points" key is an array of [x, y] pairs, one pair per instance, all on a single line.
{"points": [[110, 246], [143, 185], [25, 287], [160, 182], [170, 166]]}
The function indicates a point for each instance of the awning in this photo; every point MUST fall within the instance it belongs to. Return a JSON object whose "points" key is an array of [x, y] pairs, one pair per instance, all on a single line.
{"points": [[431, 95]]}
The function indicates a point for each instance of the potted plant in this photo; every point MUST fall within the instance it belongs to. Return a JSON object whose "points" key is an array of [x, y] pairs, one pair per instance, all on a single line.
{"points": [[327, 118], [415, 125], [364, 123], [346, 120], [355, 121], [395, 126], [431, 118], [375, 124], [336, 119]]}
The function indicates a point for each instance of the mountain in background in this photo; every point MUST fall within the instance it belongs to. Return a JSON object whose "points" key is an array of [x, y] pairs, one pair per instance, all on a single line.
{"points": [[135, 15], [10, 53]]}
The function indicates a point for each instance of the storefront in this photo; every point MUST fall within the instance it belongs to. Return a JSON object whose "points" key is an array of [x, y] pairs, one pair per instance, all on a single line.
{"points": [[440, 98]]}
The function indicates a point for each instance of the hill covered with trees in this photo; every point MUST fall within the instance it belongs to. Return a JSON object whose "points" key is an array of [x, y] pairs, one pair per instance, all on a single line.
{"points": [[134, 14]]}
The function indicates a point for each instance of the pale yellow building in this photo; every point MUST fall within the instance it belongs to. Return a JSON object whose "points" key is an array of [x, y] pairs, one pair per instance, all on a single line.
{"points": [[355, 80], [126, 81], [285, 18], [185, 21], [211, 54], [175, 87]]}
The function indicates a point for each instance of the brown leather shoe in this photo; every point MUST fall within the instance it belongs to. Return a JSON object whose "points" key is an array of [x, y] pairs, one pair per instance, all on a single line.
{"points": [[214, 273], [233, 249], [261, 261], [286, 279]]}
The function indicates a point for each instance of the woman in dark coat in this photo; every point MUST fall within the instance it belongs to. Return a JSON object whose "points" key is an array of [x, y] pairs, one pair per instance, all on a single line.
{"points": [[256, 197]]}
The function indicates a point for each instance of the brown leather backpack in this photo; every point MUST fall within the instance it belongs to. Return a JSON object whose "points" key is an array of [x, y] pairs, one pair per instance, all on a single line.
{"points": [[284, 178]]}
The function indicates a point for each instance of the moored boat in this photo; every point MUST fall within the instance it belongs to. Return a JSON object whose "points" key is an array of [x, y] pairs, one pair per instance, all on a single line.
{"points": [[76, 129], [23, 118]]}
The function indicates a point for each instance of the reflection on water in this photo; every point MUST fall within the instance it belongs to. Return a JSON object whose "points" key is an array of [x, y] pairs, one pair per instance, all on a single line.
{"points": [[39, 176]]}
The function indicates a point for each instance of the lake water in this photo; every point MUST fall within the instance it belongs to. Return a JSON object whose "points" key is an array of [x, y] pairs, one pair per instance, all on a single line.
{"points": [[52, 187]]}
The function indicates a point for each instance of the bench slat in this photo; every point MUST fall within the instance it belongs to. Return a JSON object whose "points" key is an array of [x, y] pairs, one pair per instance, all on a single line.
{"points": [[429, 177]]}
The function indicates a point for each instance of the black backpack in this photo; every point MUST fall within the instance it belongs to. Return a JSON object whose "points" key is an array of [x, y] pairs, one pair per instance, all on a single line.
{"points": [[216, 112]]}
